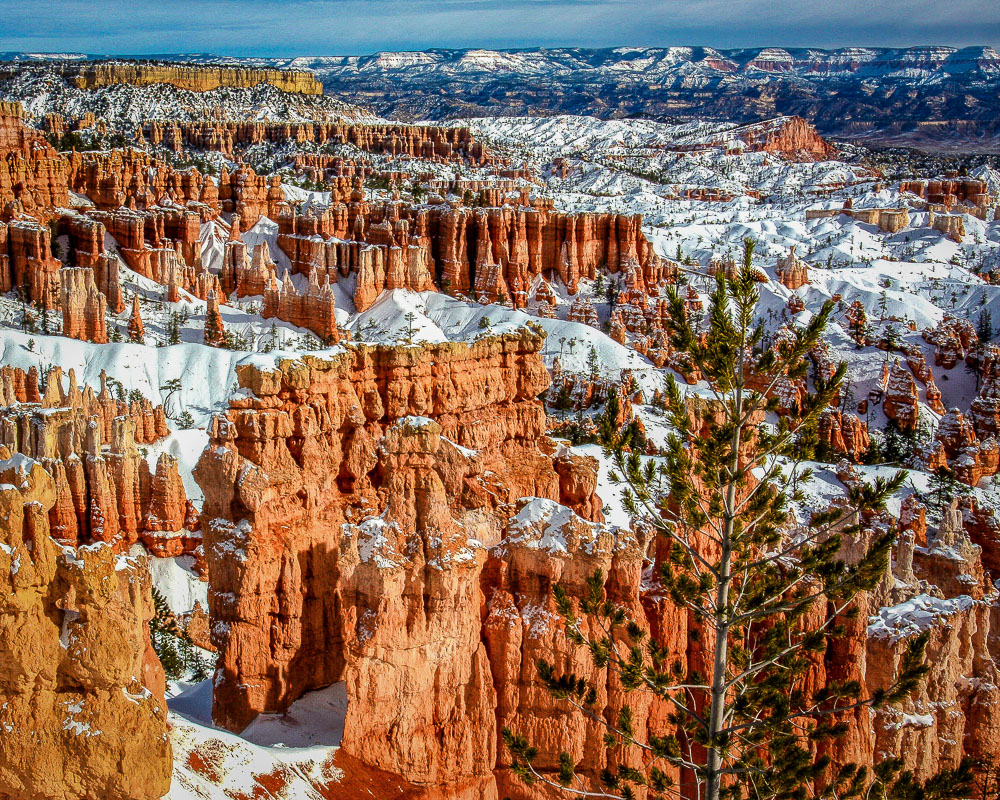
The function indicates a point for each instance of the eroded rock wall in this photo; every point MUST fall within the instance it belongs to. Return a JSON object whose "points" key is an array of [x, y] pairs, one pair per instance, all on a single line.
{"points": [[82, 711], [349, 507]]}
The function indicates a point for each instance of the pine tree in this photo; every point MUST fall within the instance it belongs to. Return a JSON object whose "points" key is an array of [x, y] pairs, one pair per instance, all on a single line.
{"points": [[171, 387], [720, 498], [984, 325], [165, 635], [612, 291], [593, 364], [943, 488], [174, 329]]}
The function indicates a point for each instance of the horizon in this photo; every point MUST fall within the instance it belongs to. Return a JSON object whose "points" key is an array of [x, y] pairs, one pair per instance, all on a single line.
{"points": [[275, 29], [180, 55]]}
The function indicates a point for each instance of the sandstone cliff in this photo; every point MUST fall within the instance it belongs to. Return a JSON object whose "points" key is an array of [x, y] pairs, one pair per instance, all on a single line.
{"points": [[194, 78], [349, 506], [82, 712]]}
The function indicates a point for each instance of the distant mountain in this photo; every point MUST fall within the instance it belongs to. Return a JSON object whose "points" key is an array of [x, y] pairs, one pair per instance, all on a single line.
{"points": [[935, 97]]}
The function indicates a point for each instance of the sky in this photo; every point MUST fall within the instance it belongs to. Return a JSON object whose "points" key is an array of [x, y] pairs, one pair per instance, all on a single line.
{"points": [[277, 28]]}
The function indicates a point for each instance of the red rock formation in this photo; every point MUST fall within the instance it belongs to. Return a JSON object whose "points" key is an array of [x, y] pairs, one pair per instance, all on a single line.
{"points": [[136, 332], [171, 526], [249, 276], [947, 716], [494, 252], [578, 485], [957, 447], [215, 329], [948, 192], [792, 271], [198, 78], [856, 322], [83, 306], [344, 536], [101, 494], [432, 143], [901, 398], [81, 697], [314, 309], [26, 260], [844, 434], [546, 544], [338, 445], [791, 137], [139, 181], [32, 175], [951, 225], [985, 408], [582, 310], [953, 339]]}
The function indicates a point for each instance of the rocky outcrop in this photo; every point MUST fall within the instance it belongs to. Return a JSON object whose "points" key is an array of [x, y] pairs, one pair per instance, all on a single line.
{"points": [[82, 711], [790, 137], [956, 707], [349, 505], [431, 143], [844, 434], [953, 340], [87, 442], [201, 78], [792, 271], [901, 404], [215, 329], [957, 447], [490, 253], [949, 192], [314, 309], [83, 306], [26, 261], [856, 323], [547, 544], [951, 225], [136, 330], [33, 178]]}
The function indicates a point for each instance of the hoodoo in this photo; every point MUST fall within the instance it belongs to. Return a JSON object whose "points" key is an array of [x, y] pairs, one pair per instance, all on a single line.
{"points": [[346, 456]]}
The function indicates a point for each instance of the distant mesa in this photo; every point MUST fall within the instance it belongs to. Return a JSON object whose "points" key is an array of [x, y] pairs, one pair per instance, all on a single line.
{"points": [[200, 78]]}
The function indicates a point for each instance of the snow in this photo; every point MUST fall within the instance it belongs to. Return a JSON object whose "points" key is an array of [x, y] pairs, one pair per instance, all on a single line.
{"points": [[298, 746], [543, 524], [176, 580], [915, 616], [314, 720], [905, 281]]}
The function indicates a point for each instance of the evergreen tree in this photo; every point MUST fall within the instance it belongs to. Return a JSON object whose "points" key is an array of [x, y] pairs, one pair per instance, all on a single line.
{"points": [[897, 448], [593, 364], [943, 488], [612, 291], [171, 387], [984, 325], [410, 318], [166, 635], [174, 329], [720, 498]]}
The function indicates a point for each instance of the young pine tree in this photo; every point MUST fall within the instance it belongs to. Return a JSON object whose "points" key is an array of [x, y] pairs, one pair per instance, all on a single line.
{"points": [[720, 498], [166, 637]]}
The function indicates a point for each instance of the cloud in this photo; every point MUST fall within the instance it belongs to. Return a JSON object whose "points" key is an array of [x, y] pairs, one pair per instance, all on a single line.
{"points": [[318, 27]]}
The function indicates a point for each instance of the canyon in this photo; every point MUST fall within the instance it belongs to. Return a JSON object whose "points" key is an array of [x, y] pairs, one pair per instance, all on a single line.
{"points": [[324, 394]]}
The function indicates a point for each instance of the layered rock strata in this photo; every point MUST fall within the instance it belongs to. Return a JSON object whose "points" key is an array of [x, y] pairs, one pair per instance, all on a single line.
{"points": [[82, 711], [349, 504], [494, 254], [200, 78], [104, 488]]}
